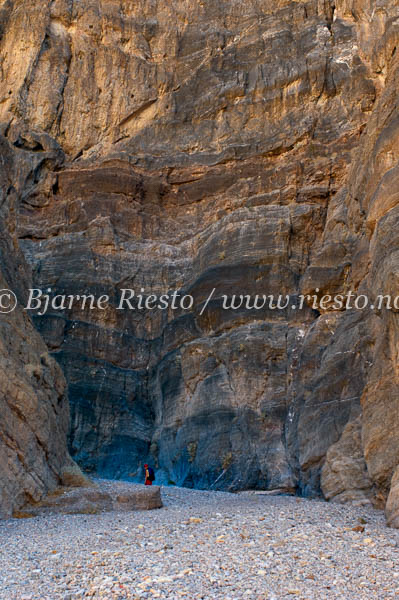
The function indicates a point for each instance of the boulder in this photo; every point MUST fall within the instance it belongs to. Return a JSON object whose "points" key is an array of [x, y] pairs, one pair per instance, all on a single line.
{"points": [[98, 497], [392, 505], [344, 476]]}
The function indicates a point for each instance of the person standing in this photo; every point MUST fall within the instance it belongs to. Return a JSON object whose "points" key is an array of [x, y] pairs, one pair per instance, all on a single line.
{"points": [[149, 475]]}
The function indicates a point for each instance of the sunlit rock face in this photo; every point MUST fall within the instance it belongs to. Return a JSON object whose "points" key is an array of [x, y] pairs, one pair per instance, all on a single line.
{"points": [[242, 147]]}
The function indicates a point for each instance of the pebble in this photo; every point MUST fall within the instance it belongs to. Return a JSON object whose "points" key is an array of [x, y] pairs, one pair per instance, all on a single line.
{"points": [[203, 546]]}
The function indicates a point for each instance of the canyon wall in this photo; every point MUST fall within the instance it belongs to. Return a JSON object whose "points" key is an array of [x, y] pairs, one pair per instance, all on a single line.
{"points": [[34, 410], [246, 147]]}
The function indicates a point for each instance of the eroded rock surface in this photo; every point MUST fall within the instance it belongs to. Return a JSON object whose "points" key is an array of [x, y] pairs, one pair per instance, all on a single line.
{"points": [[96, 497], [344, 476], [34, 411], [392, 505], [246, 147]]}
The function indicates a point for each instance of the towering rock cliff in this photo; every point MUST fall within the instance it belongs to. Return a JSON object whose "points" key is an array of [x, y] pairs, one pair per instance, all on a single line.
{"points": [[34, 411], [247, 147]]}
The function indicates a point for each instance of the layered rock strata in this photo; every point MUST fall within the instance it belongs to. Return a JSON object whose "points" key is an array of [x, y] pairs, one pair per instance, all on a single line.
{"points": [[246, 147]]}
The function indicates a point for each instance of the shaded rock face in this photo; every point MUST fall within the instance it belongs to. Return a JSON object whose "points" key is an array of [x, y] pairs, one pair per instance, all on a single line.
{"points": [[246, 147], [34, 411], [392, 505], [344, 477]]}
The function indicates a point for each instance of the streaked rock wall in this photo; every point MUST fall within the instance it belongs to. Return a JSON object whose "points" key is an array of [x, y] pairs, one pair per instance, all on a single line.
{"points": [[248, 147], [34, 410]]}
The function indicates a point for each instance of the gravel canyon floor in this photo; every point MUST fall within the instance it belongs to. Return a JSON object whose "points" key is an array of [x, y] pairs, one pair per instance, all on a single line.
{"points": [[203, 545]]}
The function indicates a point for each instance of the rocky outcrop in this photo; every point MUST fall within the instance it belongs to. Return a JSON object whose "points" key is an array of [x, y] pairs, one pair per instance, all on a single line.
{"points": [[392, 505], [95, 498], [365, 223], [242, 147], [147, 498], [34, 411], [344, 476], [33, 415]]}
